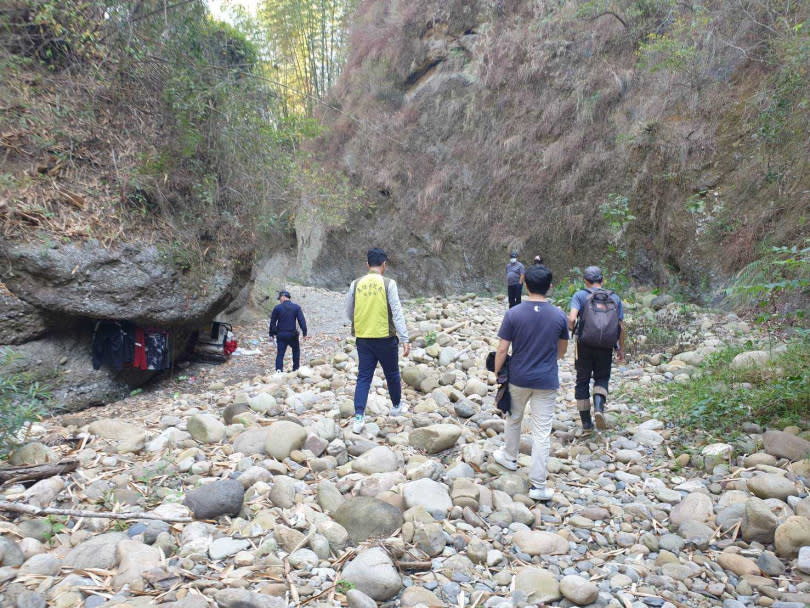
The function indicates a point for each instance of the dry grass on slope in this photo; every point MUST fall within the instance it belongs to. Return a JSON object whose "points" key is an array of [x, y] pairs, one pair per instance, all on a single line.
{"points": [[531, 117]]}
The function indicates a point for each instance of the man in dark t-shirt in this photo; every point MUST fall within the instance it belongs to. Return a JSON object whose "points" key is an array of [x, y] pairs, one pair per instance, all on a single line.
{"points": [[538, 334], [593, 362], [515, 273], [282, 327]]}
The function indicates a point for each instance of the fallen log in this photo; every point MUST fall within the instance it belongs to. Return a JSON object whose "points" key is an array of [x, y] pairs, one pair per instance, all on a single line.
{"points": [[36, 471], [16, 507]]}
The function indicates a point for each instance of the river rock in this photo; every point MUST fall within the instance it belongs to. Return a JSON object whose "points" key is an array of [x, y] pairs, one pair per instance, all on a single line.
{"points": [[716, 453], [31, 454], [134, 558], [695, 506], [43, 564], [10, 553], [113, 429], [435, 438], [221, 497], [358, 599], [751, 358], [419, 597], [379, 459], [96, 552], [431, 495], [578, 590], [43, 492], [206, 429], [803, 562], [373, 573], [283, 437], [785, 445], [758, 523], [538, 584], [233, 410], [282, 494], [535, 542], [738, 564], [771, 485], [791, 536], [252, 441], [242, 598], [429, 538], [365, 517]]}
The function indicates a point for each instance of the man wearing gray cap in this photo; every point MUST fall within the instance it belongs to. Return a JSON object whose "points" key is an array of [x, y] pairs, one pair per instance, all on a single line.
{"points": [[597, 320]]}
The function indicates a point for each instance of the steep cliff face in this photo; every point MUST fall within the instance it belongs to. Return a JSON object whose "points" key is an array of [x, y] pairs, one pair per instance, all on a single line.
{"points": [[659, 138]]}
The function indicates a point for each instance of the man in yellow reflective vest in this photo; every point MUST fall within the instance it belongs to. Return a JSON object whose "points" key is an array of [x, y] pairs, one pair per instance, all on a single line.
{"points": [[378, 325]]}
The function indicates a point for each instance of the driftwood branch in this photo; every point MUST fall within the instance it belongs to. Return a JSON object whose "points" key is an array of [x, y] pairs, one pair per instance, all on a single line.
{"points": [[16, 507], [453, 328], [37, 471]]}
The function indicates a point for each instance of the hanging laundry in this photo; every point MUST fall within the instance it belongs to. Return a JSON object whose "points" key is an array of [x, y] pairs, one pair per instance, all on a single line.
{"points": [[157, 349], [113, 344], [139, 360]]}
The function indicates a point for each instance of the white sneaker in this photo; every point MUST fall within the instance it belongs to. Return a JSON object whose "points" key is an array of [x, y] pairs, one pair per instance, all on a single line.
{"points": [[396, 410], [502, 459], [359, 423], [278, 371], [543, 494]]}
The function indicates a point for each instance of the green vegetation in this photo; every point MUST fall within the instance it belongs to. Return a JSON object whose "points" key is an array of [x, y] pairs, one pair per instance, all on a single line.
{"points": [[777, 285], [22, 401], [430, 338], [720, 398]]}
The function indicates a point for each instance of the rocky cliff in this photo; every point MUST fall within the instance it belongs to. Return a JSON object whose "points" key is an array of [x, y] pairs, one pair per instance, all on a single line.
{"points": [[123, 192], [665, 140]]}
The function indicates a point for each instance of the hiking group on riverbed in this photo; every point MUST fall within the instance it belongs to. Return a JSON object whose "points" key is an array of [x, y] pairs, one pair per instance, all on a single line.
{"points": [[536, 331]]}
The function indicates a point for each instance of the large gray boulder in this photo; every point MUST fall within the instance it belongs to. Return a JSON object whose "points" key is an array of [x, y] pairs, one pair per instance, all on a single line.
{"points": [[365, 517], [135, 282], [373, 573], [435, 438]]}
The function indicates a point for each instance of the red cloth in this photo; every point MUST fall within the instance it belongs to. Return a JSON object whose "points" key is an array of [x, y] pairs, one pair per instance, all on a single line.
{"points": [[230, 346], [139, 361]]}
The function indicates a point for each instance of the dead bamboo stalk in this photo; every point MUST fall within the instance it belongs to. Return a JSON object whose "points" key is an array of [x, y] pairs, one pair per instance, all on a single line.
{"points": [[16, 507]]}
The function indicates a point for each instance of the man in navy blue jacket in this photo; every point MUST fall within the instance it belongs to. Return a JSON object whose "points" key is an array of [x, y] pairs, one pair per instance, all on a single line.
{"points": [[282, 326]]}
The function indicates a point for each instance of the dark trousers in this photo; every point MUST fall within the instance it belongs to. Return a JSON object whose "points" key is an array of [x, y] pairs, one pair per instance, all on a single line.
{"points": [[515, 294], [592, 362], [283, 340], [371, 351]]}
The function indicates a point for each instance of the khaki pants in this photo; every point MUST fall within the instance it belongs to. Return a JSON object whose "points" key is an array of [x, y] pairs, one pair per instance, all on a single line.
{"points": [[542, 403]]}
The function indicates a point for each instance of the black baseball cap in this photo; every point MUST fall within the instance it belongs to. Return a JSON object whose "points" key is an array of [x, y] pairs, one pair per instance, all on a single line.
{"points": [[513, 254], [284, 293], [593, 274]]}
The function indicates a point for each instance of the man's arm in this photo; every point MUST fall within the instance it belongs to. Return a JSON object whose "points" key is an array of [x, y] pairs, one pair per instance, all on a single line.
{"points": [[562, 348], [522, 278], [572, 318], [500, 355], [396, 312], [274, 322], [302, 322], [349, 308], [620, 352]]}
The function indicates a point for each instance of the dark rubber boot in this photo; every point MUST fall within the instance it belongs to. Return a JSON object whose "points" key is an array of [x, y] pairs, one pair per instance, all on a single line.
{"points": [[599, 411], [587, 423]]}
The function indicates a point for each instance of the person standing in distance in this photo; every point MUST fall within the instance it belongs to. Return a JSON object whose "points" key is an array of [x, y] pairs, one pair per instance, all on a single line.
{"points": [[598, 317], [538, 334], [378, 325], [282, 326], [515, 276]]}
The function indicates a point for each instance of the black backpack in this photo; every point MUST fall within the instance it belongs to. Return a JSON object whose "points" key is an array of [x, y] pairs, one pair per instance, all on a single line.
{"points": [[599, 320]]}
